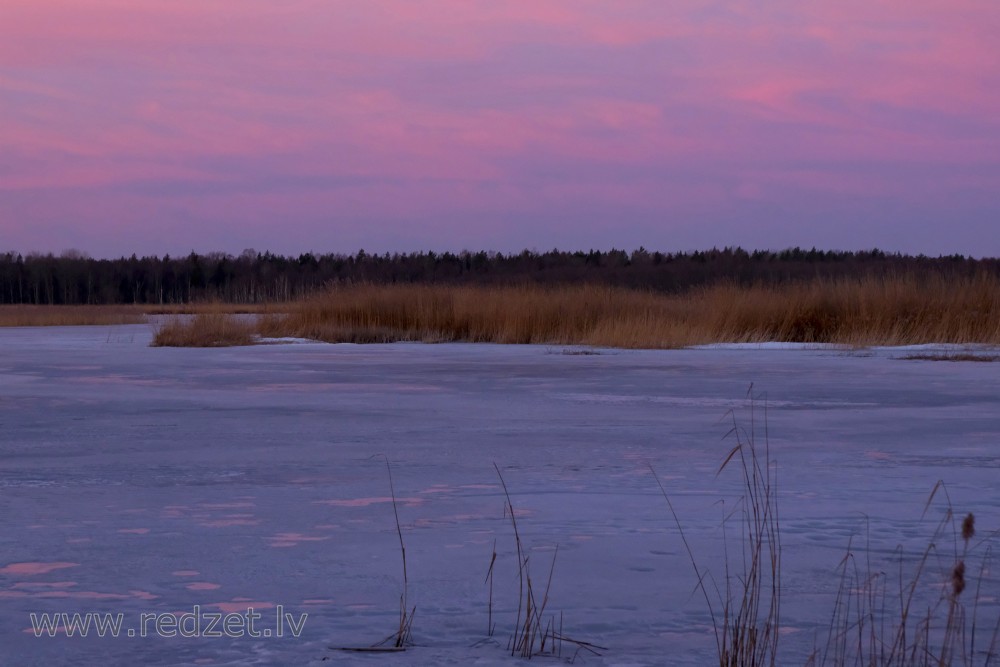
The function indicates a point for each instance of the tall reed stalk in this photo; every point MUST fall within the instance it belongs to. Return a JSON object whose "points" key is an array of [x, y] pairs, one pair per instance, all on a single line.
{"points": [[745, 612]]}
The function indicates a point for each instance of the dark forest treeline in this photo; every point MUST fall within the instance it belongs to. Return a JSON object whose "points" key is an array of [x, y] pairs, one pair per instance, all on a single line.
{"points": [[253, 277]]}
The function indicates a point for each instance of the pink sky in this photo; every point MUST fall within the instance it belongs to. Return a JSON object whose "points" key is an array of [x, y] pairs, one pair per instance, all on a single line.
{"points": [[165, 126]]}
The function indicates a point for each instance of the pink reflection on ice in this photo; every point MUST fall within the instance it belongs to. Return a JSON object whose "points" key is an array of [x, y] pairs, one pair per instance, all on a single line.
{"points": [[466, 517], [293, 539], [293, 386], [227, 506], [174, 511], [438, 488], [134, 531], [185, 573], [365, 502], [30, 569], [202, 586], [31, 585], [121, 379], [81, 595], [317, 601], [240, 605], [308, 480], [222, 523], [345, 386]]}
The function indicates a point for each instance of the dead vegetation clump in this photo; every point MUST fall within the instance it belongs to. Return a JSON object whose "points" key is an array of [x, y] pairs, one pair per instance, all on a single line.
{"points": [[206, 330]]}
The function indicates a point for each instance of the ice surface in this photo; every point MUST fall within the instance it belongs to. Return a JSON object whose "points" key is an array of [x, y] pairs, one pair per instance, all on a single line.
{"points": [[137, 479]]}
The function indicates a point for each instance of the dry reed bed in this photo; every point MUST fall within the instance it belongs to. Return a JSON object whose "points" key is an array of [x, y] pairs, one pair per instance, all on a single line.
{"points": [[61, 316], [894, 311], [214, 307], [898, 311], [50, 315]]}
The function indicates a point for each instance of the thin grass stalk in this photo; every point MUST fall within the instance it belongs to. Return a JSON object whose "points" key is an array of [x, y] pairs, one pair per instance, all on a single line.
{"points": [[403, 635], [490, 627]]}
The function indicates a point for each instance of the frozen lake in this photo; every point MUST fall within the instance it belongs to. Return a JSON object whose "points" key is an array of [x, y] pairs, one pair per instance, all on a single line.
{"points": [[146, 480]]}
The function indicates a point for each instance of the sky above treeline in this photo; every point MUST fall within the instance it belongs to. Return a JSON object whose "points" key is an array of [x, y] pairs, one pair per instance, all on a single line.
{"points": [[165, 126]]}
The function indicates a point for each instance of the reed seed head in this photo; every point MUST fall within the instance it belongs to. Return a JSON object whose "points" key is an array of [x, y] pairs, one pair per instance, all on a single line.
{"points": [[968, 527], [958, 578]]}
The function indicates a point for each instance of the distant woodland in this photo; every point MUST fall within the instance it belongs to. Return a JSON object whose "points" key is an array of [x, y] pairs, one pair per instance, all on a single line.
{"points": [[253, 277]]}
